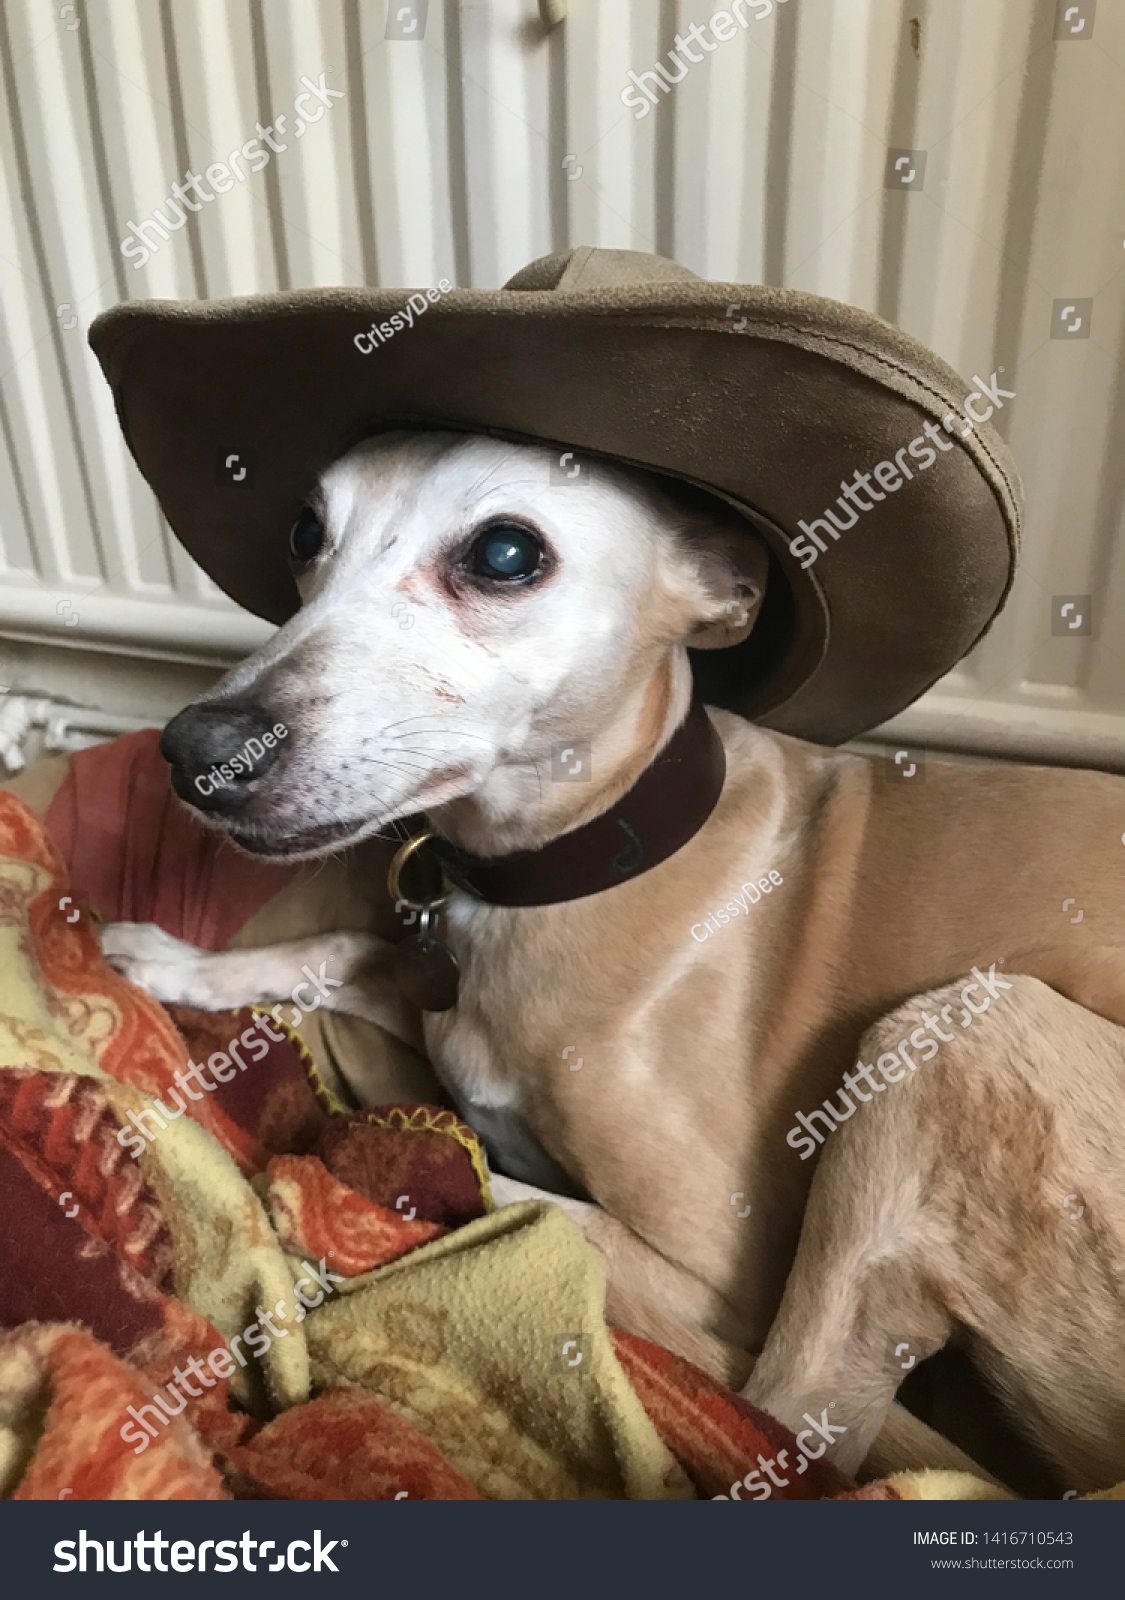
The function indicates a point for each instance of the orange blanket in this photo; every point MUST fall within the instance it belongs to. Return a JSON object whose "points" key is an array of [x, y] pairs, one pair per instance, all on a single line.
{"points": [[262, 1295]]}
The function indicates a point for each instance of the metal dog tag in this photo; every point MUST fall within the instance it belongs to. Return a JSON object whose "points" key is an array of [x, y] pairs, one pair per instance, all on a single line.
{"points": [[426, 970]]}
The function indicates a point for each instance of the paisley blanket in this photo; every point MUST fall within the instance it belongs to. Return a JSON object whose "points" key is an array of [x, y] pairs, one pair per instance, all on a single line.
{"points": [[235, 1287]]}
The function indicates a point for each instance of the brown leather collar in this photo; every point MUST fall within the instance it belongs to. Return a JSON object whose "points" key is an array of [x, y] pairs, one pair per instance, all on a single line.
{"points": [[668, 804]]}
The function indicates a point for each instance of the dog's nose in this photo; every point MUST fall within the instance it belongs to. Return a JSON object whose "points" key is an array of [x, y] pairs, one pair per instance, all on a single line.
{"points": [[217, 751]]}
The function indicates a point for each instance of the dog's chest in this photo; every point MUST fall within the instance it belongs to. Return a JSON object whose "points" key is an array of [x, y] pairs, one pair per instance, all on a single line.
{"points": [[530, 1020], [491, 1049], [480, 1054], [570, 1034]]}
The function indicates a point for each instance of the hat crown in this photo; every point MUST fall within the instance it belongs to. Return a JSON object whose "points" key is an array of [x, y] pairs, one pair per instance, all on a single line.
{"points": [[587, 267], [637, 361]]}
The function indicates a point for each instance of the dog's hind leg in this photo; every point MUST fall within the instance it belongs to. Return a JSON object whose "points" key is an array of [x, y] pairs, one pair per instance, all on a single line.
{"points": [[981, 1192], [346, 972]]}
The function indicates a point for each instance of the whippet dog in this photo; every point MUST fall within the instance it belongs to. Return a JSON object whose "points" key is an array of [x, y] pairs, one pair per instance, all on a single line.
{"points": [[748, 1010]]}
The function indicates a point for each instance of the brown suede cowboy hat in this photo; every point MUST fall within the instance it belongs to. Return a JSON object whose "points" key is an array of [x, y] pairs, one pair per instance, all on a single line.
{"points": [[773, 399]]}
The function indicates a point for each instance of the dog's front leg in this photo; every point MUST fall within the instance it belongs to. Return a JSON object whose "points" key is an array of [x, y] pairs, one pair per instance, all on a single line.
{"points": [[345, 972], [861, 1307]]}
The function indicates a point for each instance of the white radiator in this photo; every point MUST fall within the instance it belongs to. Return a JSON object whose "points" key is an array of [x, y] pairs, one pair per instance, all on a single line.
{"points": [[482, 138]]}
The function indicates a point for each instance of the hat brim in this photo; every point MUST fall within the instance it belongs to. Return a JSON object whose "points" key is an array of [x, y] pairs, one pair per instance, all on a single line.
{"points": [[774, 408]]}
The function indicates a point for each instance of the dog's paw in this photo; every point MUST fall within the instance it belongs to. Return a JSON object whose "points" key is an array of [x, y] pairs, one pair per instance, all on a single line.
{"points": [[164, 966]]}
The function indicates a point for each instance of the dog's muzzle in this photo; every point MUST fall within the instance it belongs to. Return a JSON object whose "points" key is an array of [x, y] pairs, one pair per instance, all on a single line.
{"points": [[218, 752]]}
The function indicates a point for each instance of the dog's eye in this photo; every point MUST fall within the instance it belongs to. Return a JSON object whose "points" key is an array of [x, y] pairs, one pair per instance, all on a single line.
{"points": [[307, 537], [505, 551]]}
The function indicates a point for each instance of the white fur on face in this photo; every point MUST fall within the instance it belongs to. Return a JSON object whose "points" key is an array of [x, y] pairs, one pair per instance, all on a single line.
{"points": [[405, 684]]}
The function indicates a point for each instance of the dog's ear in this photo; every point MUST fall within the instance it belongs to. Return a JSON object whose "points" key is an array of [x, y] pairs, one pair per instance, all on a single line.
{"points": [[733, 563], [727, 565]]}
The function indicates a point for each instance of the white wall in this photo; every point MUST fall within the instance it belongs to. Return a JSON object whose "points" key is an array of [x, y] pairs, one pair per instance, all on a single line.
{"points": [[447, 157]]}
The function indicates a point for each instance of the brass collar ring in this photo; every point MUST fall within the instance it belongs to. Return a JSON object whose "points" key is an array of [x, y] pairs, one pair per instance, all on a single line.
{"points": [[394, 875]]}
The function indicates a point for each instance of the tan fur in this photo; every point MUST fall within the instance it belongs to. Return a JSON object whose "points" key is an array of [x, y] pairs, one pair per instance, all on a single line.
{"points": [[761, 1021], [697, 1054], [947, 1206]]}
